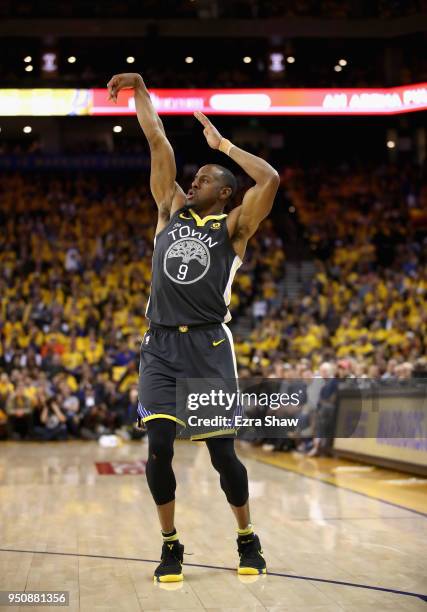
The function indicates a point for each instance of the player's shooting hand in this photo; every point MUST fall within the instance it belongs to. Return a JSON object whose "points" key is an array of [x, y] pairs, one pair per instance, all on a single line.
{"points": [[210, 132], [126, 80]]}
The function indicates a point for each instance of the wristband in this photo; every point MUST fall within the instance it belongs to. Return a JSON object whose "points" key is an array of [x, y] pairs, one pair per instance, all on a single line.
{"points": [[225, 146]]}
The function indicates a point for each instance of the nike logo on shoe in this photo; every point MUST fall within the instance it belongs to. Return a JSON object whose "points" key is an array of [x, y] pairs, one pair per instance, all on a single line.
{"points": [[216, 342]]}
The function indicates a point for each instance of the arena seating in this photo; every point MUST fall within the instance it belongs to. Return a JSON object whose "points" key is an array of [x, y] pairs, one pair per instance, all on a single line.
{"points": [[75, 276]]}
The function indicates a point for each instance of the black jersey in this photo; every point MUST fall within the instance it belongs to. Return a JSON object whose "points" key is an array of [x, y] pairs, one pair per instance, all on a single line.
{"points": [[193, 268]]}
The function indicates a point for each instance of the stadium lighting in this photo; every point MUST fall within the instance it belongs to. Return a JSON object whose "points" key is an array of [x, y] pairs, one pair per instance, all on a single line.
{"points": [[342, 62], [117, 129], [290, 59], [276, 62], [189, 59], [27, 129], [130, 59], [391, 144], [338, 68], [29, 68], [49, 62], [247, 59], [71, 59], [27, 59]]}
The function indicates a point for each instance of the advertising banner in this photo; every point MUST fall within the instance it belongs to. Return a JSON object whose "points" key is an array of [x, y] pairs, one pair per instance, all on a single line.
{"points": [[93, 102]]}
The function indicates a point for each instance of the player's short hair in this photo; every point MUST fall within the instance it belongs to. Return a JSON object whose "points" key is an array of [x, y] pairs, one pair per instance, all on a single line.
{"points": [[228, 179]]}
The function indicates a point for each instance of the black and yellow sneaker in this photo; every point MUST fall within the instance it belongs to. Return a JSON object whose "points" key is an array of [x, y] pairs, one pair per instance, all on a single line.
{"points": [[170, 567], [250, 552]]}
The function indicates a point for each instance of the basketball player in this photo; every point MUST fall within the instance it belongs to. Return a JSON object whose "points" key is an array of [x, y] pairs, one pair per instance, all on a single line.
{"points": [[197, 251]]}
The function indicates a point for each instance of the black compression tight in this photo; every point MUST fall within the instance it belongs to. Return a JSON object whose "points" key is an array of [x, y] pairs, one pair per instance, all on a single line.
{"points": [[159, 472], [161, 478], [232, 473]]}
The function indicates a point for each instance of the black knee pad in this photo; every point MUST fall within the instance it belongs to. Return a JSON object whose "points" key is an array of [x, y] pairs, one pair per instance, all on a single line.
{"points": [[222, 453], [233, 474], [160, 450], [159, 472], [161, 436]]}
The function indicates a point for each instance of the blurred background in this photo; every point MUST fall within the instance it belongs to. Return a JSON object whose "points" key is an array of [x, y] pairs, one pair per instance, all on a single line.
{"points": [[333, 284]]}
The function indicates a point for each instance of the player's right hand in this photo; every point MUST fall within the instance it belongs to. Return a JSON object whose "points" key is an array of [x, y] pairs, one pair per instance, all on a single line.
{"points": [[126, 80]]}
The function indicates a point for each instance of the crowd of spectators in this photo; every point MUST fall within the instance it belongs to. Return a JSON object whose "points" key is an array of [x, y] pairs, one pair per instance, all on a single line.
{"points": [[366, 303], [363, 315], [75, 265]]}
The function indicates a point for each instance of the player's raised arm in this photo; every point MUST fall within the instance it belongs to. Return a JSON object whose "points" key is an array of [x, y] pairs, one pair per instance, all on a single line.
{"points": [[165, 190], [258, 200]]}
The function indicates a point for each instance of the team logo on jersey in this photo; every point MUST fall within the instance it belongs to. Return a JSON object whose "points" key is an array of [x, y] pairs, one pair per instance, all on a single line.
{"points": [[215, 225], [186, 261]]}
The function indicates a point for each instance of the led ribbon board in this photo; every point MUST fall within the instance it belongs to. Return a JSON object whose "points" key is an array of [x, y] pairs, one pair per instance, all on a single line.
{"points": [[93, 102]]}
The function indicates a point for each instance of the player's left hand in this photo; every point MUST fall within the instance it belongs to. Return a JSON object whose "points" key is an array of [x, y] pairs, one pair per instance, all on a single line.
{"points": [[210, 132]]}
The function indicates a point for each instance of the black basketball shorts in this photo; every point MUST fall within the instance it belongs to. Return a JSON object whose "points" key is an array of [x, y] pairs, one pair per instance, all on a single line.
{"points": [[168, 354]]}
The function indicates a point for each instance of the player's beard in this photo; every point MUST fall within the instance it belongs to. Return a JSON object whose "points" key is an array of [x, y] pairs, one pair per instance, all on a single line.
{"points": [[192, 204], [199, 205]]}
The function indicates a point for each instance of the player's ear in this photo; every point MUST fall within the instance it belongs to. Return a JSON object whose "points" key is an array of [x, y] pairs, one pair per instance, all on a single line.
{"points": [[225, 193]]}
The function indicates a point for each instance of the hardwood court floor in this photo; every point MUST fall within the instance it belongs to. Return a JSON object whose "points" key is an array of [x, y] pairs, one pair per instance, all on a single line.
{"points": [[64, 526]]}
